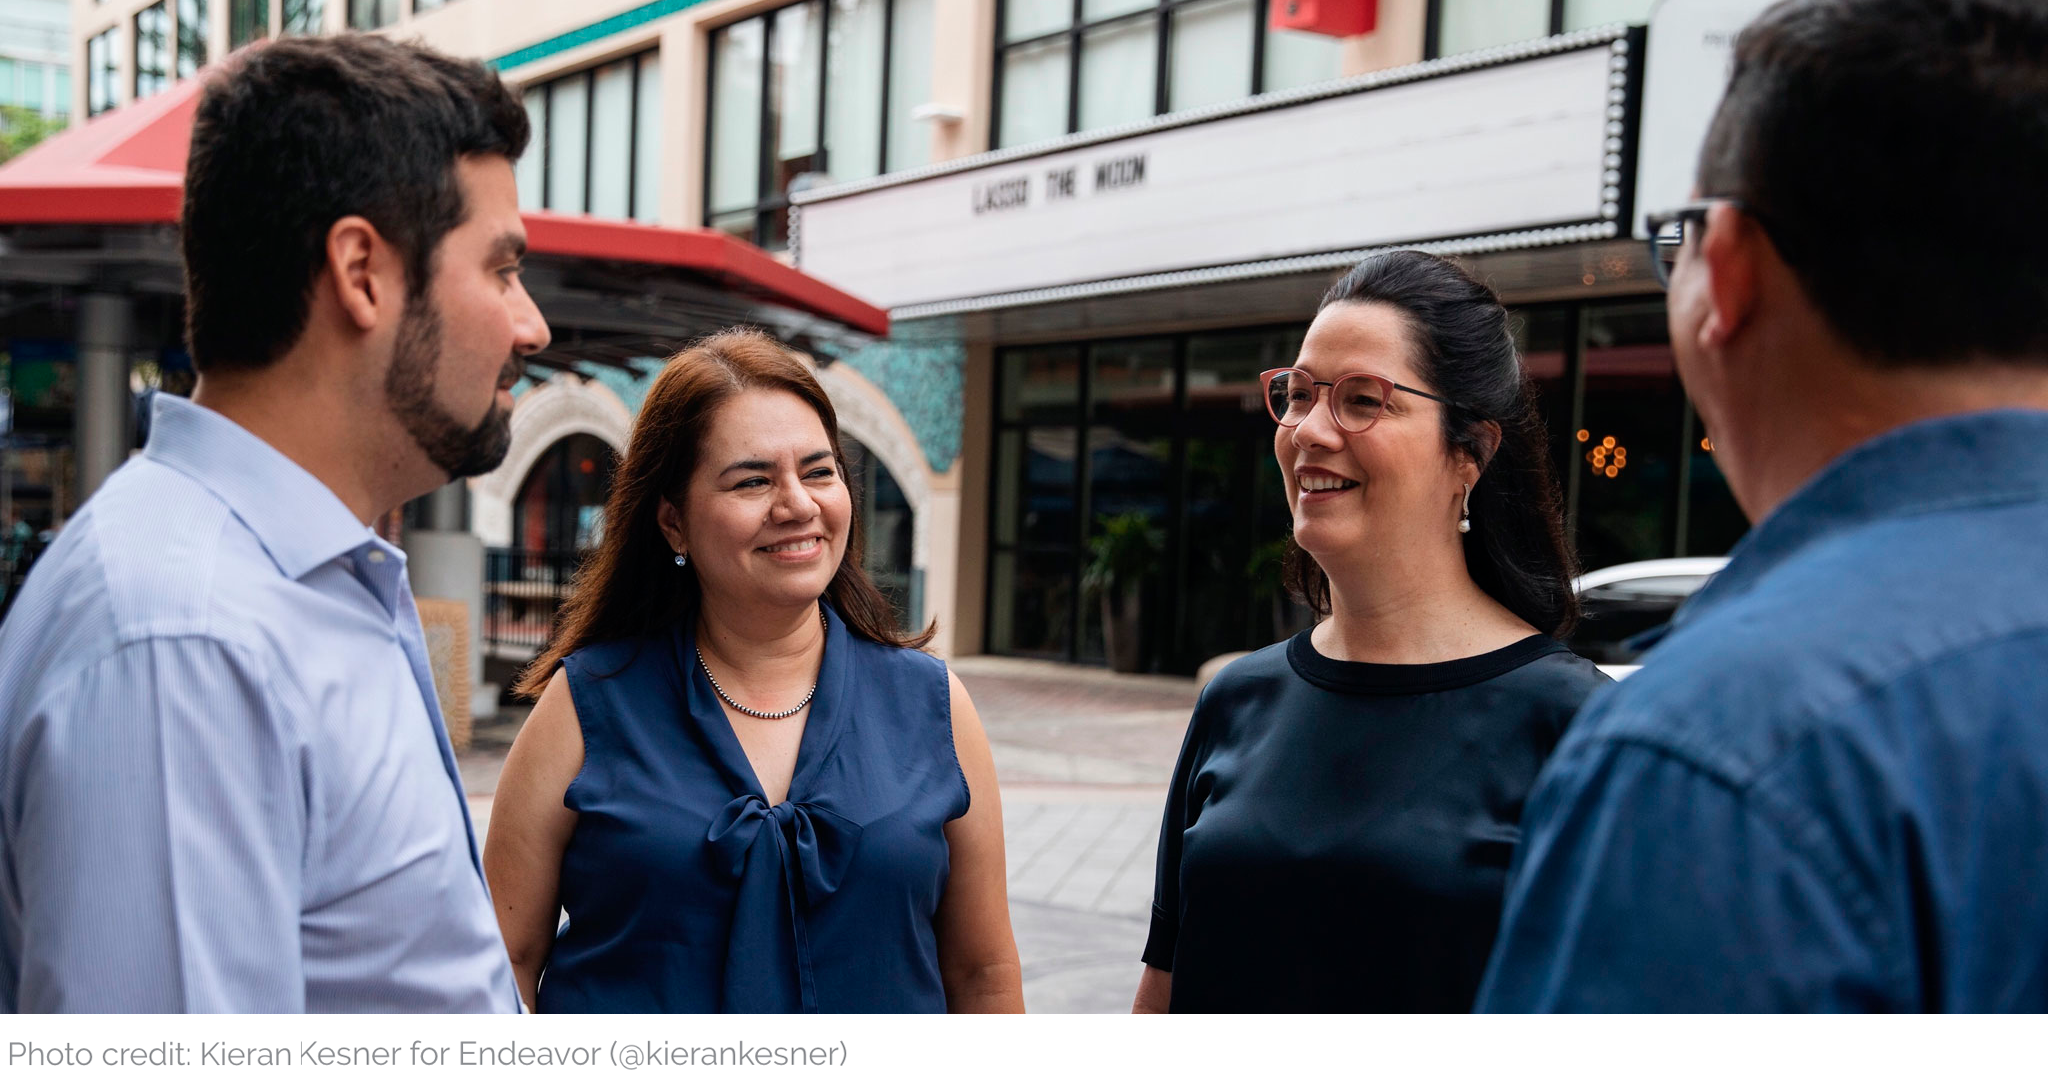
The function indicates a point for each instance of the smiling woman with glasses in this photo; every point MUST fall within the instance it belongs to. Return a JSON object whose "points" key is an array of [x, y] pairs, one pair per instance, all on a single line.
{"points": [[1339, 826]]}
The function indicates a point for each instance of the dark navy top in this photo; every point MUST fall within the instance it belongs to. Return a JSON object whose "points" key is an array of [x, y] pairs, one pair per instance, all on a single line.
{"points": [[686, 892], [1337, 833], [1827, 788]]}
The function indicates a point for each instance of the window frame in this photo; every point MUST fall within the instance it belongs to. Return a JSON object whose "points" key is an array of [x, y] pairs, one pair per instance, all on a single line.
{"points": [[768, 203], [1162, 12], [1679, 501], [257, 30], [313, 11], [1077, 416], [191, 32], [368, 14], [1433, 22], [100, 59], [543, 141], [162, 39]]}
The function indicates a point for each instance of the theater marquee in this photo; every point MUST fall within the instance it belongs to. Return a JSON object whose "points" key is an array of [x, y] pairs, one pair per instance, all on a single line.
{"points": [[1509, 141]]}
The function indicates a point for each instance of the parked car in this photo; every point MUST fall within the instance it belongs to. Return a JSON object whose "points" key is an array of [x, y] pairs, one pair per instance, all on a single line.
{"points": [[1622, 601]]}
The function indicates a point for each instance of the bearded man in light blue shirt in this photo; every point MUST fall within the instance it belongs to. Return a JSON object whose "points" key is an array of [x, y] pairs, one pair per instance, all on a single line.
{"points": [[225, 784]]}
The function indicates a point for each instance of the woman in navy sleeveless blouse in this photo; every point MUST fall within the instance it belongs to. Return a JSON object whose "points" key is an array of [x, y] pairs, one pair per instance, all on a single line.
{"points": [[744, 787]]}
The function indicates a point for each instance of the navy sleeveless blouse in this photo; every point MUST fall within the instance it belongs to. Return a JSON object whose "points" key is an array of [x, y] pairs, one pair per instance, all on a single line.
{"points": [[688, 893]]}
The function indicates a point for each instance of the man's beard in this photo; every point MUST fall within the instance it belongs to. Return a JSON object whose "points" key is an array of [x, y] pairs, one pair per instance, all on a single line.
{"points": [[409, 390]]}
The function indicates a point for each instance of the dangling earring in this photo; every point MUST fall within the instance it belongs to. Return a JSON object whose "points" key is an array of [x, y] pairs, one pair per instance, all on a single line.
{"points": [[1465, 520], [682, 559]]}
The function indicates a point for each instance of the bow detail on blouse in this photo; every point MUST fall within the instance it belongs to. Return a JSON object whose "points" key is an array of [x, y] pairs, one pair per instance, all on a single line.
{"points": [[799, 850]]}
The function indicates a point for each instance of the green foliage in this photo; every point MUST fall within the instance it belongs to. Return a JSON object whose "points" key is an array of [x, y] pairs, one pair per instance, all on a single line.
{"points": [[23, 128], [1267, 568], [1124, 548]]}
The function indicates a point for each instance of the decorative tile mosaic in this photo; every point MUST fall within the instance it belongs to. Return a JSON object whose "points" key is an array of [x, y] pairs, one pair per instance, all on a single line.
{"points": [[925, 380]]}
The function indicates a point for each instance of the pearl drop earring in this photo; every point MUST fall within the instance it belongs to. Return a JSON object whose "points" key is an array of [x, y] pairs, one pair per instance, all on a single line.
{"points": [[1465, 521]]}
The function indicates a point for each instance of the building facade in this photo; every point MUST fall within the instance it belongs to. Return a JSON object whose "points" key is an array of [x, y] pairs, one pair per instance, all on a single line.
{"points": [[35, 57], [1093, 222]]}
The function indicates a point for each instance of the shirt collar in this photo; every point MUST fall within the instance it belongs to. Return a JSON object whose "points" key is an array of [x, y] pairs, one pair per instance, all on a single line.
{"points": [[1971, 459], [295, 517]]}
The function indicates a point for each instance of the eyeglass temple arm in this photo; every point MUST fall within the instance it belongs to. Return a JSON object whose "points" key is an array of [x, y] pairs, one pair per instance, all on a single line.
{"points": [[1426, 394], [1397, 386]]}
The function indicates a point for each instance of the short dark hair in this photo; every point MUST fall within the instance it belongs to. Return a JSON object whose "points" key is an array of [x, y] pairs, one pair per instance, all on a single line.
{"points": [[1897, 153], [1517, 551], [291, 136]]}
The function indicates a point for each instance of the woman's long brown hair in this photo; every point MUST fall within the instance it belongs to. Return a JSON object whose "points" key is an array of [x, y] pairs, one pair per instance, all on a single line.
{"points": [[629, 585]]}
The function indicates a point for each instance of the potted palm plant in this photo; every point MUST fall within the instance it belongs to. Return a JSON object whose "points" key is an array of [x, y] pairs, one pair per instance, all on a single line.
{"points": [[1123, 550]]}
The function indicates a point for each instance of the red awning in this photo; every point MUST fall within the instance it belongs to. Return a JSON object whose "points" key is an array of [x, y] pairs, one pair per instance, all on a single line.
{"points": [[127, 167]]}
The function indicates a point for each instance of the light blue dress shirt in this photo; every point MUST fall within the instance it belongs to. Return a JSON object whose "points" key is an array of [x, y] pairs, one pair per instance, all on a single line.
{"points": [[224, 780]]}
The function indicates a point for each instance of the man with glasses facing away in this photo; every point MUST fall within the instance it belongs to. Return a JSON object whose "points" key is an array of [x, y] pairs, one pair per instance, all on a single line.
{"points": [[1825, 789], [225, 784]]}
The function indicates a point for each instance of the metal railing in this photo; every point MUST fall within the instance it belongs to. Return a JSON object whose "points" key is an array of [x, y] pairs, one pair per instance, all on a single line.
{"points": [[523, 589]]}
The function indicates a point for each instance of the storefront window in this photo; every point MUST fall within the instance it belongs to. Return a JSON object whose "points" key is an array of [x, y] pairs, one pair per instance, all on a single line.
{"points": [[1173, 448], [191, 37], [101, 72], [1062, 71], [813, 93], [1170, 431], [1714, 522], [1628, 440], [1131, 394], [595, 146], [1464, 25], [1237, 518], [1036, 512], [152, 50], [1546, 338]]}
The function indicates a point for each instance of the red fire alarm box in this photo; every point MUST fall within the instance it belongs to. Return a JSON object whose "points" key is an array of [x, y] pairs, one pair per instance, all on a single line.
{"points": [[1337, 18]]}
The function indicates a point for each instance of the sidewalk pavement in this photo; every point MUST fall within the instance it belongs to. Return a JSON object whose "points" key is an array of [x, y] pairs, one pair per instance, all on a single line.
{"points": [[1083, 757]]}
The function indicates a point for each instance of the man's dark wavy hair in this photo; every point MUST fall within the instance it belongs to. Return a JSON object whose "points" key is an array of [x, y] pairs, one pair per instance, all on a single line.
{"points": [[1897, 151], [295, 134]]}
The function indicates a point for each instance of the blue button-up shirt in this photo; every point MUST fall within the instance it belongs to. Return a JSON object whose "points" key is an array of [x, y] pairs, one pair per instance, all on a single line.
{"points": [[224, 781], [1827, 789]]}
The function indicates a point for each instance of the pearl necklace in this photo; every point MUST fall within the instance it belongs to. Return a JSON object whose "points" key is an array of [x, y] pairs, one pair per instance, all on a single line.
{"points": [[790, 712]]}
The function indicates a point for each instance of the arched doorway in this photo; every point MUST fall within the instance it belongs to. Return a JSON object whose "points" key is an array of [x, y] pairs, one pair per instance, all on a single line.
{"points": [[557, 515], [560, 505], [889, 526]]}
